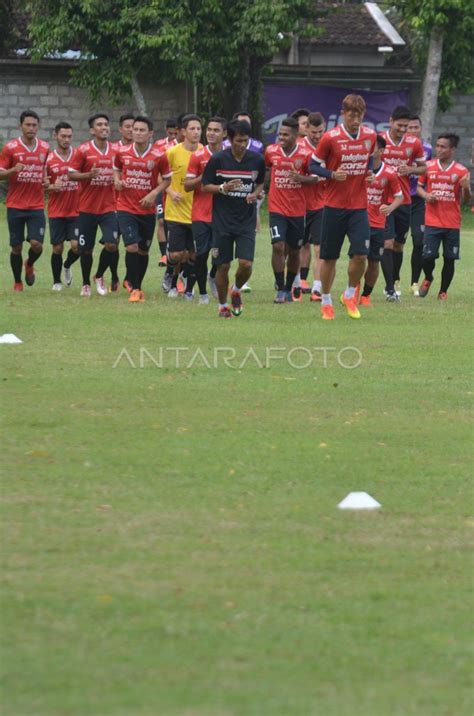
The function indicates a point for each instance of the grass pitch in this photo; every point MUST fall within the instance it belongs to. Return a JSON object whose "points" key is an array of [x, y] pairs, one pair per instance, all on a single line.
{"points": [[171, 542]]}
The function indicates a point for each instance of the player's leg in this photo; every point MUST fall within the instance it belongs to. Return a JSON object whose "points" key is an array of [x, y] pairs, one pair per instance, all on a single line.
{"points": [[109, 255], [373, 265], [146, 233], [129, 230], [402, 225], [72, 235], [160, 230], [244, 253], [87, 224], [277, 226], [417, 220], [333, 231], [387, 258], [222, 254], [358, 231], [314, 219], [190, 266], [177, 254], [57, 236], [431, 243], [305, 261], [35, 227], [202, 235], [16, 229], [451, 254]]}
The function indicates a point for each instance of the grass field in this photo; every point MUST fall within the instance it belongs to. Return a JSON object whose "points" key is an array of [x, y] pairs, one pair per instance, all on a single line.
{"points": [[171, 539]]}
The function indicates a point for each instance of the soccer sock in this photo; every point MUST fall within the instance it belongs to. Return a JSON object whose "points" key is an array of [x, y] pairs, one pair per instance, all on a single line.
{"points": [[349, 292], [86, 266], [170, 266], [113, 265], [447, 275], [367, 290], [142, 267], [235, 288], [131, 262], [16, 263], [428, 268], [56, 266], [297, 281], [304, 273], [104, 262], [190, 274], [71, 258], [387, 268], [326, 299], [290, 277], [223, 305], [162, 245], [280, 280], [201, 273], [213, 271], [316, 286], [397, 264], [416, 262], [32, 257]]}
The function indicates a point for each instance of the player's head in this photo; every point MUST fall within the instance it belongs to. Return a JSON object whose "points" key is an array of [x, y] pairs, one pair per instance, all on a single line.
{"points": [[414, 126], [171, 128], [399, 120], [63, 135], [142, 130], [288, 133], [216, 130], [125, 127], [301, 115], [179, 124], [192, 127], [243, 116], [380, 145], [29, 123], [239, 131], [446, 145], [353, 110], [99, 125], [316, 127]]}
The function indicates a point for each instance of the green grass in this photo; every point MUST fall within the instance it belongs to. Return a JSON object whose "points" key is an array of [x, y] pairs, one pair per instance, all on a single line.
{"points": [[171, 542]]}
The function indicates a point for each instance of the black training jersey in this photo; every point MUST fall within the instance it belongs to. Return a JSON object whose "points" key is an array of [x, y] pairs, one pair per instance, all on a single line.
{"points": [[230, 212]]}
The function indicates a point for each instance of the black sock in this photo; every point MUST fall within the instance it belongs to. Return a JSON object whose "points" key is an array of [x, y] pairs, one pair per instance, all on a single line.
{"points": [[279, 280], [397, 264], [174, 282], [416, 262], [367, 290], [213, 271], [170, 266], [201, 272], [447, 275], [428, 268], [304, 271], [16, 262], [190, 274], [71, 258], [162, 245], [290, 277], [131, 262], [104, 260], [56, 266], [142, 267], [32, 257], [387, 268], [86, 266], [113, 265]]}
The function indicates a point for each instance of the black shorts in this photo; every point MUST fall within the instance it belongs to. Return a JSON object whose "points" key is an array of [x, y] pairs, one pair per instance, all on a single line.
{"points": [[33, 220], [376, 245], [179, 237], [137, 228], [88, 225], [202, 234], [226, 244], [313, 227], [398, 224], [160, 212], [63, 229], [338, 223], [417, 220], [433, 238], [289, 229]]}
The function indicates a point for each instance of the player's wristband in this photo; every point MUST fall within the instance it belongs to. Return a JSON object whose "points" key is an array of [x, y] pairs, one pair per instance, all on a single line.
{"points": [[221, 189]]}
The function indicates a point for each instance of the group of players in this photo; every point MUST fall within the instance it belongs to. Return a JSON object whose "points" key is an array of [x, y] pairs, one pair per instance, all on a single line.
{"points": [[322, 186]]}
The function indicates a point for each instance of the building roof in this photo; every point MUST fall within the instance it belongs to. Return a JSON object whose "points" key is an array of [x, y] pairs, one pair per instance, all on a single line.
{"points": [[355, 24]]}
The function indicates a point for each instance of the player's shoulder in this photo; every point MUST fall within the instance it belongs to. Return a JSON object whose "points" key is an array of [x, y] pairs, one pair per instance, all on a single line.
{"points": [[366, 131], [273, 148], [432, 164], [303, 150], [412, 140], [332, 133], [13, 144], [43, 146], [84, 147], [458, 167], [200, 153], [156, 153], [390, 171]]}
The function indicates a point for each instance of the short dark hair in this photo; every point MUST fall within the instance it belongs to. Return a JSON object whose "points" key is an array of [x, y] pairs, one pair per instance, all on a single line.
{"points": [[123, 118], [401, 112], [179, 120], [381, 143], [98, 115], [171, 122], [242, 113], [28, 113], [290, 122], [62, 125], [145, 120], [190, 118], [301, 112], [453, 139], [415, 118], [219, 120], [316, 119], [238, 126]]}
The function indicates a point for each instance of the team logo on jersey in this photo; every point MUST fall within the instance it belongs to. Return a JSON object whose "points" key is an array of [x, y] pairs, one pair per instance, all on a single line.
{"points": [[409, 151], [454, 178], [367, 143], [383, 181], [298, 163], [150, 164], [42, 156]]}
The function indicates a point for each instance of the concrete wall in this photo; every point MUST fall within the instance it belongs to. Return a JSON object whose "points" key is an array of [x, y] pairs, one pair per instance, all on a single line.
{"points": [[460, 120]]}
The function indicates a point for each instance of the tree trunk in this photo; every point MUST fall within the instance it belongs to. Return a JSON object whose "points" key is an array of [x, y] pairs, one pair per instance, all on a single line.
{"points": [[138, 95], [431, 81]]}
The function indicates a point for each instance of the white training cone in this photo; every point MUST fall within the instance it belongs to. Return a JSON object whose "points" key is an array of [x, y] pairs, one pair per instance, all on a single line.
{"points": [[9, 338], [359, 501]]}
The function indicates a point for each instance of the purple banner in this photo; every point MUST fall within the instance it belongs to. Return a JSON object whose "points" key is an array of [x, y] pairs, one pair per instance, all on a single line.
{"points": [[280, 100]]}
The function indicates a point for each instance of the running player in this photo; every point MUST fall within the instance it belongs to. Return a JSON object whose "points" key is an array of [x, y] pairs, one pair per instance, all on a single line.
{"points": [[235, 177], [443, 187], [125, 131], [301, 115], [63, 205], [288, 162], [202, 202], [22, 162], [417, 212], [384, 196], [170, 140], [93, 166], [137, 170], [405, 153], [346, 151]]}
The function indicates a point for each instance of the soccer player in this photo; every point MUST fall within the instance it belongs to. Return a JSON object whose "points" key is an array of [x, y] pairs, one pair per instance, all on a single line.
{"points": [[235, 177], [443, 187], [93, 166], [301, 115], [346, 153], [288, 162], [137, 170], [180, 241], [405, 153], [254, 145], [417, 212], [384, 196], [202, 202], [63, 205], [125, 131], [170, 140], [22, 162]]}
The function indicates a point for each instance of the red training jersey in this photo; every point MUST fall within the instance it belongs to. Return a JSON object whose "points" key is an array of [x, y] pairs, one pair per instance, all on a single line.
{"points": [[65, 202], [286, 196], [382, 191], [338, 149], [25, 190], [445, 186], [164, 143], [315, 194], [140, 175], [97, 195], [202, 203], [409, 151], [120, 144]]}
